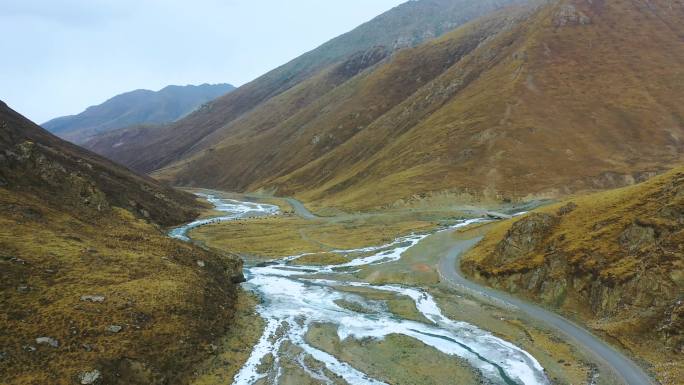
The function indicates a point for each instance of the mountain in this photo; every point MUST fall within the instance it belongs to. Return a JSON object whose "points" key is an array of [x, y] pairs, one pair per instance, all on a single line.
{"points": [[136, 108], [325, 68], [613, 260], [89, 281], [535, 100]]}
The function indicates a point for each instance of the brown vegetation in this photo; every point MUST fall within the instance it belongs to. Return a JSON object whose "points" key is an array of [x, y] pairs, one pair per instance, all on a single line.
{"points": [[539, 100], [284, 236], [613, 260], [89, 283]]}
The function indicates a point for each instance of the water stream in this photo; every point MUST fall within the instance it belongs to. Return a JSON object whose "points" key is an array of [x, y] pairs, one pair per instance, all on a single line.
{"points": [[295, 297], [234, 210]]}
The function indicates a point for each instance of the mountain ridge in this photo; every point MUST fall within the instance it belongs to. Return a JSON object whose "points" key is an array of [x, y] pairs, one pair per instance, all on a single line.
{"points": [[86, 265], [135, 107], [536, 100], [541, 64], [174, 141]]}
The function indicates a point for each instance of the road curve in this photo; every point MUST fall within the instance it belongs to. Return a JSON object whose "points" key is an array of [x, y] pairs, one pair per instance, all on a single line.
{"points": [[623, 367], [300, 209]]}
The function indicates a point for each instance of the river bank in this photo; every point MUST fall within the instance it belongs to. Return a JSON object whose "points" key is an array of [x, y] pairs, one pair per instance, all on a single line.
{"points": [[563, 362]]}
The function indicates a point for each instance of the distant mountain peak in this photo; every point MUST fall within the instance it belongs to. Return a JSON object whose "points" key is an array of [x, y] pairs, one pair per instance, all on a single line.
{"points": [[136, 107], [540, 99], [406, 25]]}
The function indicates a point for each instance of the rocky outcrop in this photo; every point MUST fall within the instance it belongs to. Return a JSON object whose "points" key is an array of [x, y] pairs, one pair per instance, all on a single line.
{"points": [[568, 14], [614, 259], [28, 160], [360, 61], [524, 237]]}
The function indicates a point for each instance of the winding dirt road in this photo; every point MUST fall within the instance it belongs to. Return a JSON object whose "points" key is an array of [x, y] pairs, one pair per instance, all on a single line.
{"points": [[300, 209], [623, 367]]}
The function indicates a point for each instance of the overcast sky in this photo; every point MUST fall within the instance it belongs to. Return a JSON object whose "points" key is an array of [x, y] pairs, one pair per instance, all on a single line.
{"points": [[60, 56]]}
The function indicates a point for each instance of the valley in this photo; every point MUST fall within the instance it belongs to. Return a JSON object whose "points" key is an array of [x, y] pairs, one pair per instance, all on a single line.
{"points": [[532, 100], [395, 281], [421, 192]]}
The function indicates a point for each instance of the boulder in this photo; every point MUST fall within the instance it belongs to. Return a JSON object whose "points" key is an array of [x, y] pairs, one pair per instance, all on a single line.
{"points": [[90, 378], [93, 298], [47, 341], [23, 289]]}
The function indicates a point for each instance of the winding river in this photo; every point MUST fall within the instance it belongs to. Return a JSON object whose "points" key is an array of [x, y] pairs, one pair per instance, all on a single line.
{"points": [[296, 297]]}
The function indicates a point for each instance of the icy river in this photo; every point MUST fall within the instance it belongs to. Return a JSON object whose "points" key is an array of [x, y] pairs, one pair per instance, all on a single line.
{"points": [[296, 297]]}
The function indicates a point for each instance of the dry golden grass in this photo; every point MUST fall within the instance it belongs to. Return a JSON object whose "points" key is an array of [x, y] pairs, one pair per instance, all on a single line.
{"points": [[615, 261], [283, 236], [169, 307], [513, 105], [86, 266], [268, 237], [548, 116], [396, 359]]}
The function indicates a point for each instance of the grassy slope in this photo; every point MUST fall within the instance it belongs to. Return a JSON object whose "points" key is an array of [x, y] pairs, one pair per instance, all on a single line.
{"points": [[547, 105], [612, 259], [170, 308], [37, 162], [73, 224], [406, 25], [262, 141], [541, 112]]}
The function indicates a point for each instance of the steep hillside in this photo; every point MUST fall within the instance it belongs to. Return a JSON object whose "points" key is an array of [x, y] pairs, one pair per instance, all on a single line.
{"points": [[90, 286], [36, 162], [613, 260], [258, 147], [541, 100], [407, 25], [135, 108]]}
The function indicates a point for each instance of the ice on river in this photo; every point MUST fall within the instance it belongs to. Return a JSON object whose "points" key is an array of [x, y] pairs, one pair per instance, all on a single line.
{"points": [[293, 299], [297, 301], [233, 209]]}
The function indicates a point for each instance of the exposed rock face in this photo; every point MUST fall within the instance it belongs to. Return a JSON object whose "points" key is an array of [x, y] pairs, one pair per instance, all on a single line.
{"points": [[637, 237], [569, 15], [93, 298], [29, 158], [524, 237], [567, 209], [361, 61], [615, 259], [47, 341], [672, 325]]}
